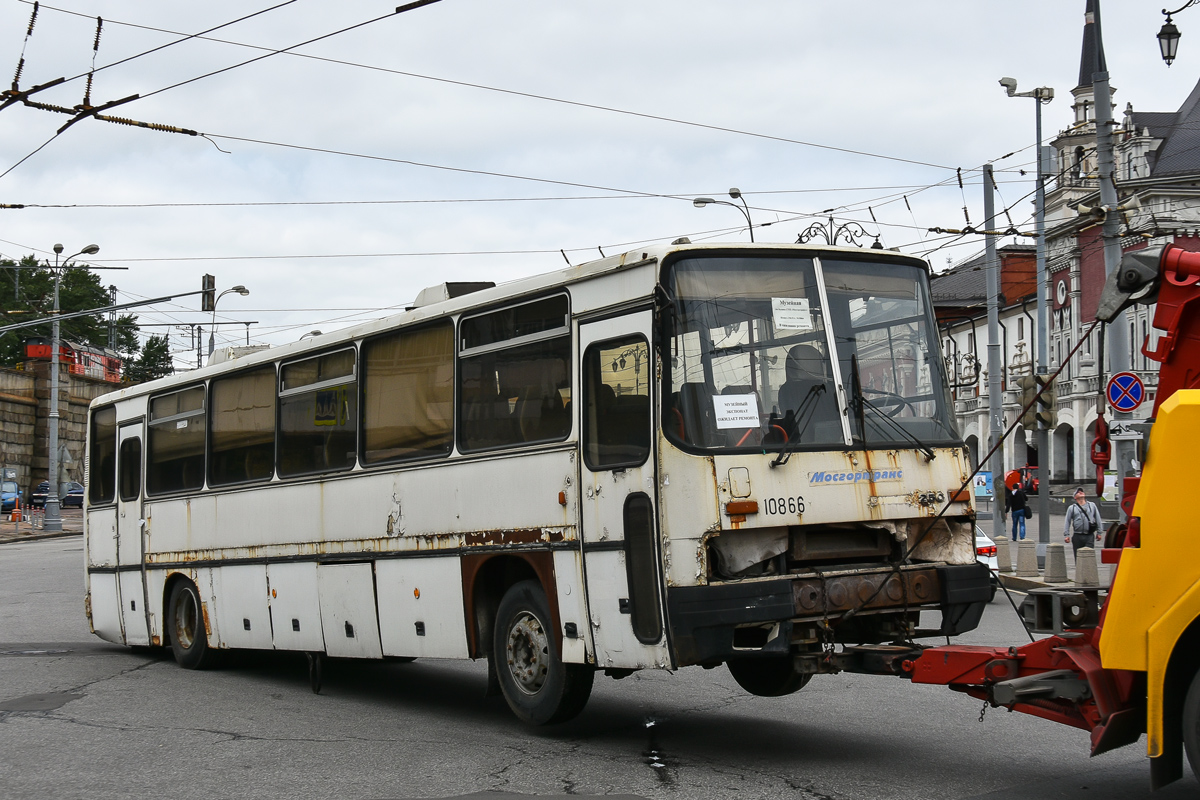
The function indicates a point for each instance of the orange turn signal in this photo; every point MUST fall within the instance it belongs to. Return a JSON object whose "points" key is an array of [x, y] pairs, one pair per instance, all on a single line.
{"points": [[741, 507], [960, 496]]}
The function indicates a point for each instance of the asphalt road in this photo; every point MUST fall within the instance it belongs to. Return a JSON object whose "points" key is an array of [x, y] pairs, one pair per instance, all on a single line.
{"points": [[82, 718]]}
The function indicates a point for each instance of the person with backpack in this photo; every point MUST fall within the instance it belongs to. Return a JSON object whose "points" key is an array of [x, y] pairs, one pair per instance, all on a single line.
{"points": [[1082, 523]]}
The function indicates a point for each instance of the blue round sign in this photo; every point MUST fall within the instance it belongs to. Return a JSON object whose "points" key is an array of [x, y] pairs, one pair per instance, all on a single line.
{"points": [[1125, 391]]}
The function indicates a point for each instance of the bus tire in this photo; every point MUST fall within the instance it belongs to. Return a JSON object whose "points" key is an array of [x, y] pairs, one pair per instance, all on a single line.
{"points": [[185, 618], [771, 676], [1191, 725], [539, 688]]}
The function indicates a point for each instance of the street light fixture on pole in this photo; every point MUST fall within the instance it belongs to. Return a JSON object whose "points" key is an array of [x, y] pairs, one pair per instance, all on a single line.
{"points": [[243, 291], [1168, 34], [1041, 95], [736, 194], [53, 516]]}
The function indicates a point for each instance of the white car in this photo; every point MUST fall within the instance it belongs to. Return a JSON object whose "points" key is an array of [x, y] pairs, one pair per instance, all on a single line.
{"points": [[985, 553]]}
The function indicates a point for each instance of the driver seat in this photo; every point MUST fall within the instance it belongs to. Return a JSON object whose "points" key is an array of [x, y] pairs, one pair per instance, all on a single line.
{"points": [[805, 369]]}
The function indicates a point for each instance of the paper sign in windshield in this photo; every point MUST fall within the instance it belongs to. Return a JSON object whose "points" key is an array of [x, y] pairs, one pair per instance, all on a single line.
{"points": [[737, 410], [791, 314]]}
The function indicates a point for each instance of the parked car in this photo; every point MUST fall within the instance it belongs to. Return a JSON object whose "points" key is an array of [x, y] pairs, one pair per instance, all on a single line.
{"points": [[9, 492], [985, 553], [72, 498]]}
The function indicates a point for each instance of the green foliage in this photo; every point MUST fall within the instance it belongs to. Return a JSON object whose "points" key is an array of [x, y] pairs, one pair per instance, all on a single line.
{"points": [[154, 362], [79, 290]]}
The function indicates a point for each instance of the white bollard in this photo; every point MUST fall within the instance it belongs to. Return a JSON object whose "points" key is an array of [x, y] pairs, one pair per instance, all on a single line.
{"points": [[1027, 560], [1087, 572], [1056, 563]]}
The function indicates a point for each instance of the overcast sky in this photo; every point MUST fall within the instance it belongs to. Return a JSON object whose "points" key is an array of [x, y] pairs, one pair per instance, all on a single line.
{"points": [[910, 87]]}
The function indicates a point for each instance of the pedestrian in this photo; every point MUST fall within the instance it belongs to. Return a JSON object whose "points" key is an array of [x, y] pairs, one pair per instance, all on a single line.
{"points": [[1017, 505], [1082, 523]]}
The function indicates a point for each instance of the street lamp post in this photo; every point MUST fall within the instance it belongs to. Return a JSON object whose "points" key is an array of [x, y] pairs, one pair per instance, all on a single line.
{"points": [[53, 515], [1168, 35], [1041, 96], [736, 194], [243, 291]]}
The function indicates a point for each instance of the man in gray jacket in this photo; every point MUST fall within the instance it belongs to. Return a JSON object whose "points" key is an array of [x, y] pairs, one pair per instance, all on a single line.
{"points": [[1082, 523]]}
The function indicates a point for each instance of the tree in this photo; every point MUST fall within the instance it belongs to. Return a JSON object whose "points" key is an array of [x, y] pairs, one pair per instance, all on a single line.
{"points": [[79, 290], [154, 362]]}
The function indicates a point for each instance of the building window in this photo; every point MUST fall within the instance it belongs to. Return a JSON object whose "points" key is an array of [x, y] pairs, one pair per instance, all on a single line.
{"points": [[1021, 328]]}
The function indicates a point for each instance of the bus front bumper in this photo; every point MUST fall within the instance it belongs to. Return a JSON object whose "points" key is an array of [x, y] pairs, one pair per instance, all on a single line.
{"points": [[710, 624]]}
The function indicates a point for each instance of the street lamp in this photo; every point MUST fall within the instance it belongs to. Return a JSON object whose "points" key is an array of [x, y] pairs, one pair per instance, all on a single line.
{"points": [[1168, 35], [736, 194], [1041, 95], [53, 517], [243, 291]]}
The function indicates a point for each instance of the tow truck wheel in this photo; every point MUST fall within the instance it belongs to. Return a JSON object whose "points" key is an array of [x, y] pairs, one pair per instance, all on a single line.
{"points": [[772, 676], [539, 688], [1191, 725]]}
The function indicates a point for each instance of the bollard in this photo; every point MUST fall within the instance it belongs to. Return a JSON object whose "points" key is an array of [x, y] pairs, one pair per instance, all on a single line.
{"points": [[1087, 573], [1027, 560], [1003, 555], [1056, 563]]}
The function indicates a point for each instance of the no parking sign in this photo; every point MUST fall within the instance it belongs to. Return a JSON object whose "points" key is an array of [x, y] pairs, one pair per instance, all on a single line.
{"points": [[1125, 391]]}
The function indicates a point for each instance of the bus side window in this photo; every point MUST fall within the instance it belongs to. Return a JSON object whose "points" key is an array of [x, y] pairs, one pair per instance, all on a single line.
{"points": [[616, 385], [318, 414], [514, 375], [175, 446], [408, 394], [243, 427], [102, 461], [131, 470]]}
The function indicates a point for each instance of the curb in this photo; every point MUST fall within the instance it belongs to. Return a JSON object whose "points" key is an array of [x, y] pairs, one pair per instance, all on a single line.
{"points": [[1025, 584], [38, 537]]}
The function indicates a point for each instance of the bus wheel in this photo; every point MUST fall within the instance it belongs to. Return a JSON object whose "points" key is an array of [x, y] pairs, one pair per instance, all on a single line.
{"points": [[189, 639], [539, 687], [772, 676], [1191, 725]]}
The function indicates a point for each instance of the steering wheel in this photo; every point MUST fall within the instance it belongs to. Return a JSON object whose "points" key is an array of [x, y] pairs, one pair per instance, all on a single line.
{"points": [[895, 402]]}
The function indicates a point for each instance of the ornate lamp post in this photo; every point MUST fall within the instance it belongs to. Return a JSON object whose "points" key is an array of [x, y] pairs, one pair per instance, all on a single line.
{"points": [[1168, 35]]}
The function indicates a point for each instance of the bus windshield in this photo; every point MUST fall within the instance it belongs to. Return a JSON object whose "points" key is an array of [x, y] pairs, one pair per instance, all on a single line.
{"points": [[749, 342]]}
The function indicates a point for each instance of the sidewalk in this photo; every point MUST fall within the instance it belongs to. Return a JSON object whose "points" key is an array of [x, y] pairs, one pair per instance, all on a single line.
{"points": [[23, 531], [1057, 521]]}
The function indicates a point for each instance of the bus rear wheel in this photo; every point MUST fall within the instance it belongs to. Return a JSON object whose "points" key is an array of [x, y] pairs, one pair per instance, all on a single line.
{"points": [[771, 676], [539, 688], [189, 637]]}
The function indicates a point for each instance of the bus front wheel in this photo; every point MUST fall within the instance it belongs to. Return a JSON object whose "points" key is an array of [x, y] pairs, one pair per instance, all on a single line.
{"points": [[189, 637], [771, 676], [539, 688]]}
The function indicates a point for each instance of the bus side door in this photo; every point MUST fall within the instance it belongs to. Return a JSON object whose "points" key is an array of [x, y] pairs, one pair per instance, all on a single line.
{"points": [[618, 493], [131, 571]]}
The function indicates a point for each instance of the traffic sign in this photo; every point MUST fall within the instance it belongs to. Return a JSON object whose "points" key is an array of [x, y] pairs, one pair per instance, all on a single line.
{"points": [[1125, 391]]}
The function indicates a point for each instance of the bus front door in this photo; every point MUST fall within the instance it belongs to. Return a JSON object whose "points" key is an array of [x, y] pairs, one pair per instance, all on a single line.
{"points": [[618, 494], [131, 584]]}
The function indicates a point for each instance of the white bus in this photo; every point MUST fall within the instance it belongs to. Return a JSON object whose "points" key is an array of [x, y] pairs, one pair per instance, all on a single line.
{"points": [[682, 455]]}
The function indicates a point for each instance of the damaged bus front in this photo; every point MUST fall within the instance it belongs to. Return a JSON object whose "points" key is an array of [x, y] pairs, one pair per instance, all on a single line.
{"points": [[807, 451]]}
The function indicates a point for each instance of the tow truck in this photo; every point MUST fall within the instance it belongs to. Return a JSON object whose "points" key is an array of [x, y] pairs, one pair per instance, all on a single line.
{"points": [[1126, 661]]}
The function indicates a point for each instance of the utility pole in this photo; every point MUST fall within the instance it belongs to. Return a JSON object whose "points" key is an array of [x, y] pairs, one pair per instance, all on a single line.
{"points": [[112, 319], [992, 267], [1118, 340]]}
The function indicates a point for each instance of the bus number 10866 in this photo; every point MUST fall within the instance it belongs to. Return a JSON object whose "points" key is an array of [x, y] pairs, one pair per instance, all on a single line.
{"points": [[784, 505]]}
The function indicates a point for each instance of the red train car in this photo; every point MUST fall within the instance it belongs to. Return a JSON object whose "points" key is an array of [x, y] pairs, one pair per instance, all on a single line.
{"points": [[98, 363]]}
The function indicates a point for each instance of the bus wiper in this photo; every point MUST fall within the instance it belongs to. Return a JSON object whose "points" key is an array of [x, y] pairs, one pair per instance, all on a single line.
{"points": [[804, 413], [861, 403]]}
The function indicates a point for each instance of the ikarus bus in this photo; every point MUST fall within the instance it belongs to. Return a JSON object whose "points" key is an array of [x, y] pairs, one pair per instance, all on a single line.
{"points": [[682, 455]]}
